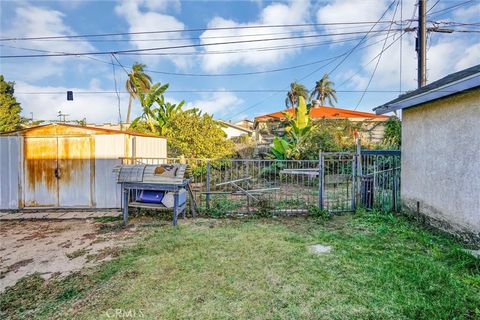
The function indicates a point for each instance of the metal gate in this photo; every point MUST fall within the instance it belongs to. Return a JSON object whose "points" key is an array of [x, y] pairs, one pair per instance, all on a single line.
{"points": [[367, 178], [336, 182], [58, 171]]}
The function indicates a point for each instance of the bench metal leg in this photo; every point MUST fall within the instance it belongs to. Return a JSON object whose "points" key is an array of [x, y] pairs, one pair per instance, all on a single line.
{"points": [[175, 208], [125, 206]]}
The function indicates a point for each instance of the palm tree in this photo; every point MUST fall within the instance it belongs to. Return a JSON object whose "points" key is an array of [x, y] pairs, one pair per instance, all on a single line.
{"points": [[324, 90], [137, 81], [296, 90]]}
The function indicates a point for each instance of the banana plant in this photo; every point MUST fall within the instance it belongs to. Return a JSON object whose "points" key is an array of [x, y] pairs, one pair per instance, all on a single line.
{"points": [[297, 132], [146, 101], [280, 148]]}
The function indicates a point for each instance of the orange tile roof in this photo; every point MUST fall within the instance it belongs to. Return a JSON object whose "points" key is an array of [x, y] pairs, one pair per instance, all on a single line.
{"points": [[324, 112]]}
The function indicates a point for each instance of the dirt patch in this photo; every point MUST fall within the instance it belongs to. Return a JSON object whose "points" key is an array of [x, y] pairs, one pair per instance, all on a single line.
{"points": [[52, 248]]}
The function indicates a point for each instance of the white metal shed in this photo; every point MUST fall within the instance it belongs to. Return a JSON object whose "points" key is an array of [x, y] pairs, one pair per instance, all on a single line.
{"points": [[64, 165]]}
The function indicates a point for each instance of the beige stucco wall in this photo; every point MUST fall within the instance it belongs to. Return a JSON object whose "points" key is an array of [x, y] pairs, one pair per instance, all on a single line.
{"points": [[441, 163]]}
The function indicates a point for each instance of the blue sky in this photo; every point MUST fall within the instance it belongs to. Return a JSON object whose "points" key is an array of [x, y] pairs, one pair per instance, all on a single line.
{"points": [[51, 75]]}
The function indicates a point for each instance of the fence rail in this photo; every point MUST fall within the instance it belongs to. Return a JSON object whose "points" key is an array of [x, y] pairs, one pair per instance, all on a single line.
{"points": [[335, 182]]}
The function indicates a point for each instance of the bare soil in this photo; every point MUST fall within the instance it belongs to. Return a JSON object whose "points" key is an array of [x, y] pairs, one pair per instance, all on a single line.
{"points": [[55, 248]]}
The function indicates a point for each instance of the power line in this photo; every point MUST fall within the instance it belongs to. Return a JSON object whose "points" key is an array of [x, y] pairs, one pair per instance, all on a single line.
{"points": [[202, 91], [251, 49], [391, 44], [191, 30], [378, 61], [452, 7], [348, 53], [185, 46], [309, 44], [206, 75], [118, 61], [190, 38], [116, 90], [433, 6], [371, 60]]}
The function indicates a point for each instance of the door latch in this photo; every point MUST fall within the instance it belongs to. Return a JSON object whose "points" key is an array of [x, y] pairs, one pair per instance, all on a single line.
{"points": [[58, 173]]}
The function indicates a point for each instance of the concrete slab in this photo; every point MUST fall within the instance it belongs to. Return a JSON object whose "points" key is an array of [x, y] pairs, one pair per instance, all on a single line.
{"points": [[475, 253], [11, 216], [45, 215], [320, 249]]}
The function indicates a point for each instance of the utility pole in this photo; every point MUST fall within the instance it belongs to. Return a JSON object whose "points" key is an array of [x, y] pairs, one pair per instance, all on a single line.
{"points": [[421, 47]]}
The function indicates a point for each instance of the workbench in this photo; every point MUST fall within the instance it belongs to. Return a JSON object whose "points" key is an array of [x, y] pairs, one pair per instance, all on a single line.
{"points": [[178, 208]]}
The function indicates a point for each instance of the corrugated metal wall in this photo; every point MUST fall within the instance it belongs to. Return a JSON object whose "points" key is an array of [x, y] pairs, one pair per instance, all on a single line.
{"points": [[108, 150], [147, 147], [10, 171]]}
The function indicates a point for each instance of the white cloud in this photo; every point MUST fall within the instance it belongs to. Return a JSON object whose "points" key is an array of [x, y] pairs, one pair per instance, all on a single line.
{"points": [[470, 57], [443, 56], [468, 14], [94, 107], [294, 12], [162, 5], [350, 11], [219, 104], [34, 21], [153, 19]]}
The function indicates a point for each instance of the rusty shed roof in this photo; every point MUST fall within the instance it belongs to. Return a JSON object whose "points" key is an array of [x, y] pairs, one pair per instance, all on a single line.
{"points": [[71, 129]]}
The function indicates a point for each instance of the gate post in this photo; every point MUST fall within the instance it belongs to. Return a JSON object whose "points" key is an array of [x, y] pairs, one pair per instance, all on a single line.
{"points": [[358, 184], [354, 178], [207, 198], [320, 180]]}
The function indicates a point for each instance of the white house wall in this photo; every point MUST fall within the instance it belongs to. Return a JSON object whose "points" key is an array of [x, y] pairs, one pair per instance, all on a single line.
{"points": [[233, 132], [441, 163], [10, 171]]}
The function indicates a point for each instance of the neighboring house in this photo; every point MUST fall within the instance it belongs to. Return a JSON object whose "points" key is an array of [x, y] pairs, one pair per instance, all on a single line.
{"points": [[245, 123], [441, 152], [64, 165], [266, 126], [234, 130]]}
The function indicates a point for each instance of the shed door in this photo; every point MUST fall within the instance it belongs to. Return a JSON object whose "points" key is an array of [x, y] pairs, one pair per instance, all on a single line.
{"points": [[58, 172], [41, 184], [74, 167]]}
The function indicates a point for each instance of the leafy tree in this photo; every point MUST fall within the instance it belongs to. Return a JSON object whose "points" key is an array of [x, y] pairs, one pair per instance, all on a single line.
{"points": [[324, 91], [392, 138], [138, 81], [196, 135], [165, 112], [10, 109], [296, 90]]}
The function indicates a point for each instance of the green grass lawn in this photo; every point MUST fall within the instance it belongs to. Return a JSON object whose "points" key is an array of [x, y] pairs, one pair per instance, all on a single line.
{"points": [[381, 267]]}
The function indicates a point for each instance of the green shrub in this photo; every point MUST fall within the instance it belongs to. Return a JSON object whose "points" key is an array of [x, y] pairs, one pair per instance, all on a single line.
{"points": [[316, 212]]}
